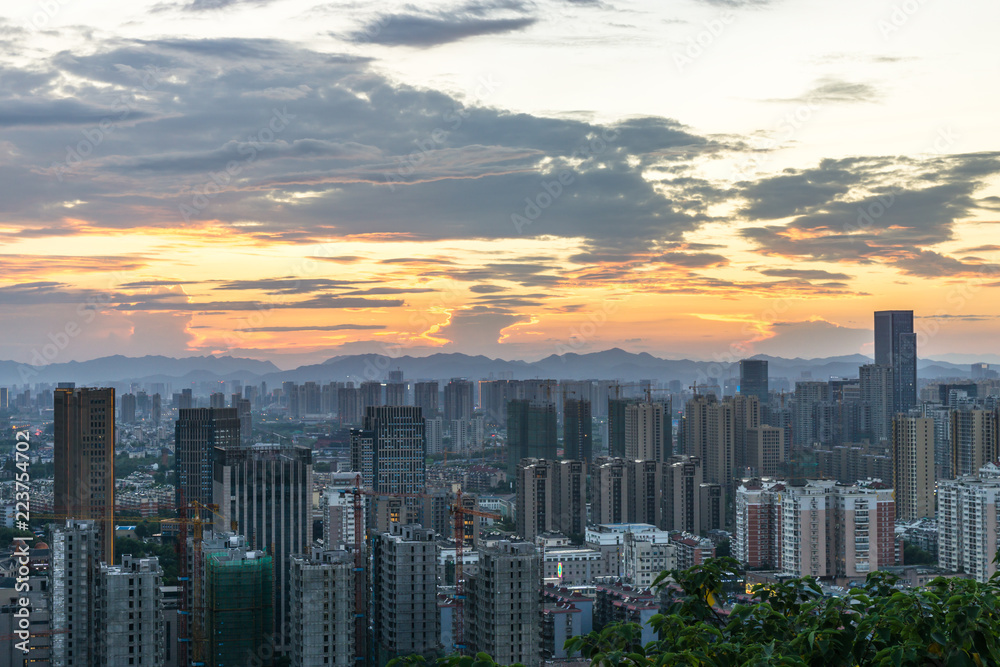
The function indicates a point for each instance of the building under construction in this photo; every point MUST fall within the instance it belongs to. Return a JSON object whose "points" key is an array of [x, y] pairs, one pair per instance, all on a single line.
{"points": [[238, 608], [322, 591]]}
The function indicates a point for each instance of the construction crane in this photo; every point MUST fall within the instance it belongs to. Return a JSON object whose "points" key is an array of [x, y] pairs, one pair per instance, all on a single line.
{"points": [[460, 512]]}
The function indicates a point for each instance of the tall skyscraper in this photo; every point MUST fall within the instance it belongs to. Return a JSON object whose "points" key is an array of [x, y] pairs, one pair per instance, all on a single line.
{"points": [[405, 617], [371, 395], [808, 397], [646, 437], [896, 347], [156, 409], [389, 451], [395, 393], [754, 380], [267, 490], [349, 405], [126, 409], [616, 425], [84, 458], [459, 399], [217, 400], [577, 430], [75, 558], [877, 402], [975, 440], [531, 432], [197, 432], [502, 612], [913, 467], [425, 397], [493, 401]]}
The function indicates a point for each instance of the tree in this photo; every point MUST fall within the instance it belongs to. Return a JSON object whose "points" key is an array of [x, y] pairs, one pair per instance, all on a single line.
{"points": [[947, 623]]}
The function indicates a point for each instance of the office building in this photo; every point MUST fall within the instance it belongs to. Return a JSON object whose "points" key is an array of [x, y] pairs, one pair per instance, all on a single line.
{"points": [[84, 456], [129, 608], [531, 432], [459, 399], [267, 490], [577, 430], [323, 621], [76, 554], [197, 432], [405, 618], [968, 522], [975, 440], [913, 467], [425, 397], [389, 451], [896, 347], [878, 402], [502, 608], [753, 379], [551, 497]]}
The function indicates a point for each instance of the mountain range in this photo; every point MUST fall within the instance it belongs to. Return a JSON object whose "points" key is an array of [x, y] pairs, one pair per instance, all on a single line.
{"points": [[608, 364]]}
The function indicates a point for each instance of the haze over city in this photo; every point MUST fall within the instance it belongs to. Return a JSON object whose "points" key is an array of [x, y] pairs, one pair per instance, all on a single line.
{"points": [[291, 180]]}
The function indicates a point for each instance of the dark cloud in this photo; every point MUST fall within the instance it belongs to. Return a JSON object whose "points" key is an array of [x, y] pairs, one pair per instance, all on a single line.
{"points": [[54, 112], [289, 285], [434, 28], [805, 274], [319, 302], [692, 260]]}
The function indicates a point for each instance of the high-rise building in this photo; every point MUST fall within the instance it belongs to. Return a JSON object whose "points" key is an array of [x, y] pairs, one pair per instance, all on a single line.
{"points": [[405, 617], [975, 440], [197, 432], [267, 490], [531, 432], [246, 421], [338, 517], [626, 491], [913, 467], [551, 497], [968, 522], [184, 400], [896, 347], [371, 395], [389, 450], [683, 478], [577, 430], [877, 401], [493, 398], [217, 400], [322, 590], [434, 435], [126, 409], [4, 398], [239, 606], [502, 611], [746, 415], [757, 539], [395, 393], [753, 379], [809, 396], [349, 405], [75, 558], [646, 434], [425, 397], [156, 409], [696, 420], [129, 608], [765, 451], [84, 458], [720, 445], [459, 399], [616, 425]]}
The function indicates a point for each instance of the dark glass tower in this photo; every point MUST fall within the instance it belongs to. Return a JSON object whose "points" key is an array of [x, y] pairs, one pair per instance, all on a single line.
{"points": [[577, 430], [197, 432], [531, 432], [896, 347], [753, 379]]}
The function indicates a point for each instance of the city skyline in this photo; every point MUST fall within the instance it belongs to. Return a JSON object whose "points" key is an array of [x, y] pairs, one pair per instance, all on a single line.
{"points": [[287, 177]]}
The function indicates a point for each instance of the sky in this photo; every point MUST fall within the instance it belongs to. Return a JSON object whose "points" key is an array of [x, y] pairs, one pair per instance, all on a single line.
{"points": [[296, 179]]}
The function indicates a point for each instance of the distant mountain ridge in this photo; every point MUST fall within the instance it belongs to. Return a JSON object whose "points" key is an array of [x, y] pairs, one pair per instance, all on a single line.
{"points": [[609, 364]]}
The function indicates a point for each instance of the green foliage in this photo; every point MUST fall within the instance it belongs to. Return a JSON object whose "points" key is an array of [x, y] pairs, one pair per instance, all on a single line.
{"points": [[7, 535], [914, 555], [947, 623]]}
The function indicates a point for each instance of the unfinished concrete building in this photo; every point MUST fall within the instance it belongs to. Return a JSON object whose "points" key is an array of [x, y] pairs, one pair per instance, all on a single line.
{"points": [[322, 590], [75, 552], [130, 614], [502, 609]]}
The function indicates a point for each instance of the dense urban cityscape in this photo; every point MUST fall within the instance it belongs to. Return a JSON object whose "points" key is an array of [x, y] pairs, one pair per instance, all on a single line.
{"points": [[357, 521]]}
